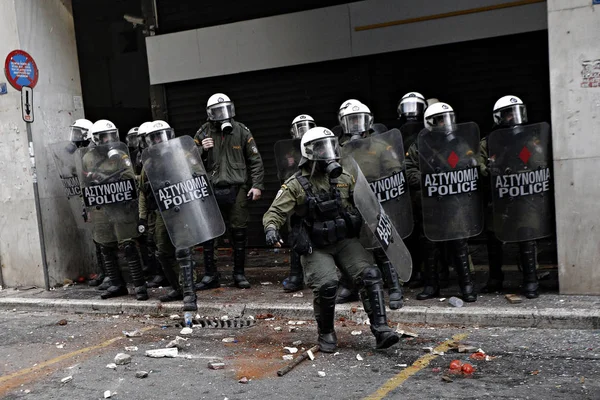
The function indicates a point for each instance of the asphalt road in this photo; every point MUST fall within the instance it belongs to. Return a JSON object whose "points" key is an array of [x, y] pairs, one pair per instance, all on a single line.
{"points": [[526, 363]]}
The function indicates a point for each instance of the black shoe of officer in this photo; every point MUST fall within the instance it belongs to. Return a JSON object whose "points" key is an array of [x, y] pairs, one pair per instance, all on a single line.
{"points": [[429, 292], [114, 291], [97, 280], [208, 282], [158, 281], [468, 293], [293, 284], [141, 293], [416, 280], [384, 336], [328, 342], [105, 284], [530, 290], [345, 295], [172, 295], [493, 285], [240, 281]]}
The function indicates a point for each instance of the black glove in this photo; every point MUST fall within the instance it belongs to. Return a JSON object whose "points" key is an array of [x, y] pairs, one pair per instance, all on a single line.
{"points": [[272, 237], [84, 214], [142, 226]]}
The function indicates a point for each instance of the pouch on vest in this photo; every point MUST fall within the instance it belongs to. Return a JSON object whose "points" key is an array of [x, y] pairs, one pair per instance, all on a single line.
{"points": [[226, 195]]}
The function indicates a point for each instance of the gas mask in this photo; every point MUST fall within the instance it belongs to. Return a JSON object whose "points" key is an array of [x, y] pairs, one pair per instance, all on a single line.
{"points": [[329, 167], [226, 126]]}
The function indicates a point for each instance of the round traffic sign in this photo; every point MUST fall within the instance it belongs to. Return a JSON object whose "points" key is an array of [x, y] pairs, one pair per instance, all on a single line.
{"points": [[20, 69]]}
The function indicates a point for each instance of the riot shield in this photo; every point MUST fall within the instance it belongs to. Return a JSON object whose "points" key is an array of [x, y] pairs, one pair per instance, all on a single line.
{"points": [[64, 154], [450, 187], [520, 162], [287, 157], [381, 159], [379, 128], [410, 130], [378, 222], [183, 192], [109, 189]]}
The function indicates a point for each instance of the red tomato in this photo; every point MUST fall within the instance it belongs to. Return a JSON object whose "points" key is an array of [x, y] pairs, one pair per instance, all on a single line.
{"points": [[456, 365], [467, 369]]}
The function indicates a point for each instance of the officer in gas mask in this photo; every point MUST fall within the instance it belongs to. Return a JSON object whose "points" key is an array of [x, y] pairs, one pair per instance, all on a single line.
{"points": [[321, 195], [133, 144], [236, 172]]}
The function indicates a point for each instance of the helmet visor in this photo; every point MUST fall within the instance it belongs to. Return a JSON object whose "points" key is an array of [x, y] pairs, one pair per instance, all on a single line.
{"points": [[411, 108], [301, 127], [160, 136], [78, 134], [445, 121], [108, 136], [511, 115], [133, 140], [323, 149], [221, 111], [357, 123]]}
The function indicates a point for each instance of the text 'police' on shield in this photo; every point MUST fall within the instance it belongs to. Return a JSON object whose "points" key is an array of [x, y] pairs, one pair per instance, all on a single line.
{"points": [[183, 192], [451, 183], [523, 183], [109, 193], [390, 187]]}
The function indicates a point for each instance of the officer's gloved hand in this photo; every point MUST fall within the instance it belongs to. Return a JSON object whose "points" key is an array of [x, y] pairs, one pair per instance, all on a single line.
{"points": [[142, 226], [273, 238], [97, 177], [84, 214]]}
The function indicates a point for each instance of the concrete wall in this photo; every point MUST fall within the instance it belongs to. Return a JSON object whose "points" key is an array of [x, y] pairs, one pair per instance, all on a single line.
{"points": [[574, 31], [328, 34], [45, 30]]}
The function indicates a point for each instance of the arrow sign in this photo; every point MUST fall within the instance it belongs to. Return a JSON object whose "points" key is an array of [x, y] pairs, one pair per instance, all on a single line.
{"points": [[27, 103]]}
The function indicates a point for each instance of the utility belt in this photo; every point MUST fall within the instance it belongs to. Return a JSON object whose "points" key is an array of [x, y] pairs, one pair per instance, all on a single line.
{"points": [[226, 195]]}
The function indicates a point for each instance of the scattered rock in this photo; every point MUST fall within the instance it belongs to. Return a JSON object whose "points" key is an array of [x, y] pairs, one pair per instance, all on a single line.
{"points": [[442, 299], [311, 355], [67, 379], [131, 348], [177, 342], [174, 316], [447, 379], [465, 348], [356, 333], [122, 359], [428, 349], [186, 331], [111, 366], [216, 365], [513, 298], [266, 283], [278, 329], [359, 357], [160, 353], [298, 294], [107, 394], [291, 350], [321, 374], [229, 340], [288, 357], [264, 316], [60, 346], [297, 343], [62, 322], [243, 380], [225, 318], [135, 333], [141, 374]]}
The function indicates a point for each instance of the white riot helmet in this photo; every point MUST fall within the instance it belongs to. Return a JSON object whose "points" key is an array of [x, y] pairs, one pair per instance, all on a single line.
{"points": [[412, 105], [356, 119], [346, 104], [301, 124], [440, 116], [220, 108], [510, 111], [142, 132], [159, 132], [321, 146], [79, 132], [103, 131], [132, 139]]}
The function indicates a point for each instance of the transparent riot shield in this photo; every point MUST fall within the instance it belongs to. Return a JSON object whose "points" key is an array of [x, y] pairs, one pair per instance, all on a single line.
{"points": [[520, 162], [109, 189], [287, 157], [450, 186], [381, 159], [183, 192], [64, 155], [410, 131], [378, 222]]}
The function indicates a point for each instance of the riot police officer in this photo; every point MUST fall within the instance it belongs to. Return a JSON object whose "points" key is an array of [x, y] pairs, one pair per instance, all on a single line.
{"points": [[104, 164], [236, 172], [174, 262], [300, 125], [509, 112], [440, 122], [337, 130], [133, 144], [321, 195]]}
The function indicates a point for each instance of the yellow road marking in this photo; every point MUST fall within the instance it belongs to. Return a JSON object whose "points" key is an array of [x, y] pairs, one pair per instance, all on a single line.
{"points": [[64, 357], [418, 365], [448, 14]]}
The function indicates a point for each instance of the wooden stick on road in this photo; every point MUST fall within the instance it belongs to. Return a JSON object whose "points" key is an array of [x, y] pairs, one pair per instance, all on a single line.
{"points": [[297, 361]]}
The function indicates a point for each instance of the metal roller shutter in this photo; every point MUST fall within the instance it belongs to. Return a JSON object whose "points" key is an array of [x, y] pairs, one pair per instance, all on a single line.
{"points": [[470, 76]]}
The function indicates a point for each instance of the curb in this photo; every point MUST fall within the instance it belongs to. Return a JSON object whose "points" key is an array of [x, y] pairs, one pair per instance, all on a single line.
{"points": [[548, 318]]}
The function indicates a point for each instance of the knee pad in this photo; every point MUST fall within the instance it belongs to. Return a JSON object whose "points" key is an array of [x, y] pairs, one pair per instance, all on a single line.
{"points": [[183, 254], [328, 290], [371, 275], [379, 255], [129, 248]]}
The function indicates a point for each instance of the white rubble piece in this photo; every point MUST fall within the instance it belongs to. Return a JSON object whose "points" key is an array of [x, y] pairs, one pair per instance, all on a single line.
{"points": [[131, 348], [216, 365], [122, 359], [228, 340], [111, 366], [186, 331], [107, 394], [174, 316], [177, 342], [288, 357], [135, 333], [310, 355], [141, 374], [321, 374], [356, 333], [291, 350], [160, 353], [67, 379]]}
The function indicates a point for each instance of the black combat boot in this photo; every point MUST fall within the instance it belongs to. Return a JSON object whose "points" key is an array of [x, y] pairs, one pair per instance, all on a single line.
{"points": [[239, 258], [135, 269], [461, 263], [346, 291], [324, 306], [528, 254], [111, 266], [186, 265], [100, 261], [295, 281], [495, 259], [431, 288], [373, 302], [444, 261], [167, 263], [390, 277], [416, 253], [210, 280]]}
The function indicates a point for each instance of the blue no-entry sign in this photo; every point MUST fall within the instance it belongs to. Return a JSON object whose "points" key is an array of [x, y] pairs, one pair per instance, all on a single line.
{"points": [[20, 69]]}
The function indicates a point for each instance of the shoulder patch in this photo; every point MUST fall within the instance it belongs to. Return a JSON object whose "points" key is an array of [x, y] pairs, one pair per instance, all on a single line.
{"points": [[279, 193], [251, 139], [342, 185]]}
